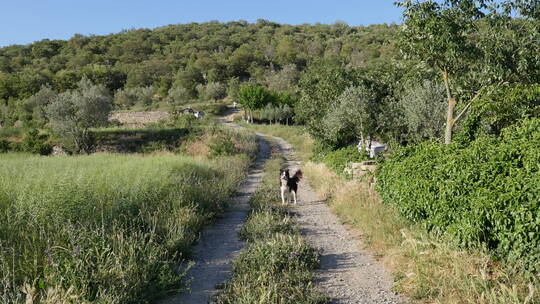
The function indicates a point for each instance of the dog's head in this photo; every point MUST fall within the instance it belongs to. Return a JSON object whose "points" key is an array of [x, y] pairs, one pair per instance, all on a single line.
{"points": [[284, 174]]}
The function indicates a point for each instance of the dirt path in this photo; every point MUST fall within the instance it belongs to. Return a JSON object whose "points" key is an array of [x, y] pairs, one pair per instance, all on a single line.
{"points": [[348, 274], [219, 243]]}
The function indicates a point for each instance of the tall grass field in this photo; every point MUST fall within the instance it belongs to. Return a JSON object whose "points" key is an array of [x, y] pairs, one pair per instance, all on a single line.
{"points": [[104, 228]]}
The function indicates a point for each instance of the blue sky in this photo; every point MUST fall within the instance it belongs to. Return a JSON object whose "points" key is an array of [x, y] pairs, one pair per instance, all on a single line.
{"points": [[25, 21]]}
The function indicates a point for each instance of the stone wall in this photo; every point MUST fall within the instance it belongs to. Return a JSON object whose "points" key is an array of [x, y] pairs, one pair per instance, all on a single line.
{"points": [[138, 119], [362, 169]]}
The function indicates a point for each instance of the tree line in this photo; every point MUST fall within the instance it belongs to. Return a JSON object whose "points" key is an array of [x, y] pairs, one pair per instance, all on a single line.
{"points": [[179, 63], [403, 84]]}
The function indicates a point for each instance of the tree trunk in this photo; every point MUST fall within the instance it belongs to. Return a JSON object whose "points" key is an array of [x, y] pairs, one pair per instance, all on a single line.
{"points": [[450, 111], [449, 121]]}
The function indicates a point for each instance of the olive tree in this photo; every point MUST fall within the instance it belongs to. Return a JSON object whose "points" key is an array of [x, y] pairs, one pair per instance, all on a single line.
{"points": [[37, 103], [355, 116], [320, 85], [472, 44], [423, 108], [283, 80], [212, 91], [179, 95], [73, 113], [129, 97]]}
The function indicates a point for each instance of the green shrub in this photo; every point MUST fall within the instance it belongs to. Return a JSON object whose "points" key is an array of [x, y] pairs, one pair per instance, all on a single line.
{"points": [[221, 145], [154, 146], [11, 132], [339, 159], [499, 108], [34, 142], [4, 145], [484, 194]]}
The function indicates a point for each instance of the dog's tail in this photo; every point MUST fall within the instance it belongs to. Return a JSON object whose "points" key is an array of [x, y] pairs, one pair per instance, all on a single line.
{"points": [[298, 175]]}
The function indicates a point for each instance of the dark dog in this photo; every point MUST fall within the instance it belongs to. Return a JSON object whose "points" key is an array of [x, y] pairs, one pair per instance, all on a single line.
{"points": [[289, 184]]}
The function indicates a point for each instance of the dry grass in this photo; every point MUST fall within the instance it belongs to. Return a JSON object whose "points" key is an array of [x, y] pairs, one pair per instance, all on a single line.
{"points": [[197, 149], [295, 135], [425, 269], [322, 179]]}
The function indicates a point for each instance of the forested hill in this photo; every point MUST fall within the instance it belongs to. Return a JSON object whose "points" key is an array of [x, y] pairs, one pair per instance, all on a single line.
{"points": [[187, 55]]}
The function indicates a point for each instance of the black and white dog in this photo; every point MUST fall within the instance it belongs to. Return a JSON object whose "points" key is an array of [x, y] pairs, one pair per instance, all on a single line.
{"points": [[289, 184]]}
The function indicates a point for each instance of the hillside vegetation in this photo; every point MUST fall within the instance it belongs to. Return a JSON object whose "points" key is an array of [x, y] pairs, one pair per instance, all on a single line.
{"points": [[178, 63]]}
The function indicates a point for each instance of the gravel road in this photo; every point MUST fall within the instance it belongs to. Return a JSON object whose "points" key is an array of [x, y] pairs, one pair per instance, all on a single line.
{"points": [[348, 273]]}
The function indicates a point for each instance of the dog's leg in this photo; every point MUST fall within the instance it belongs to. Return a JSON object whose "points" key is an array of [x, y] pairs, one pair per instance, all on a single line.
{"points": [[282, 196], [294, 196]]}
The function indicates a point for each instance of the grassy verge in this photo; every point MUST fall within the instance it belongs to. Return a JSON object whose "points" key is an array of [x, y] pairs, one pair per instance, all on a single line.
{"points": [[277, 266], [295, 135], [425, 268], [107, 228], [6, 132]]}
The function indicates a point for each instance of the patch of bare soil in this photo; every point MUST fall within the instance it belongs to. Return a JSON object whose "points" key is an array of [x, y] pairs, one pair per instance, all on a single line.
{"points": [[138, 119]]}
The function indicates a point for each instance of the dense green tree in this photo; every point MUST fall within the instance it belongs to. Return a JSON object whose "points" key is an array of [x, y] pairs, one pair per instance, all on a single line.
{"points": [[473, 44], [320, 86], [499, 107], [188, 79], [253, 97], [65, 80], [73, 113], [436, 32], [233, 86], [111, 78], [240, 62]]}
